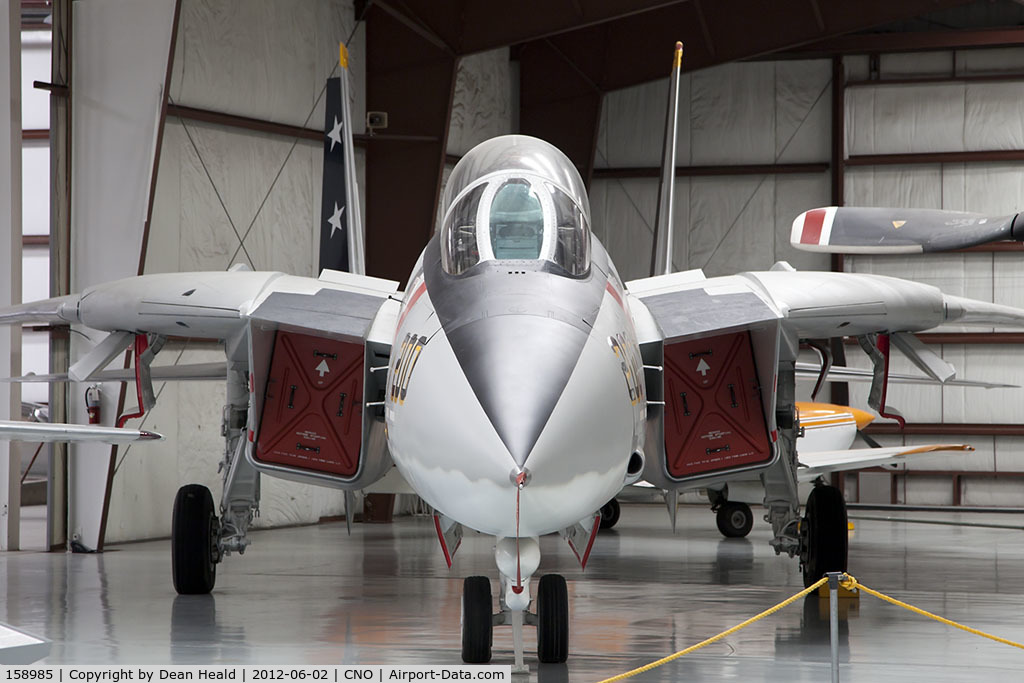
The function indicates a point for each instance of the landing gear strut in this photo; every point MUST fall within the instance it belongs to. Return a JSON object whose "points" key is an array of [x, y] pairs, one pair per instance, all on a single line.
{"points": [[824, 536], [195, 533], [734, 519]]}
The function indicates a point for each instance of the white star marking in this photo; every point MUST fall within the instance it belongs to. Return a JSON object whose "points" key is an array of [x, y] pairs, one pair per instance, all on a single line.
{"points": [[335, 220], [335, 134]]}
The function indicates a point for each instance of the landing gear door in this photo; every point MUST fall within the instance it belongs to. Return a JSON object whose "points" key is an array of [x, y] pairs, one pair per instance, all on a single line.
{"points": [[714, 415], [713, 400], [314, 390]]}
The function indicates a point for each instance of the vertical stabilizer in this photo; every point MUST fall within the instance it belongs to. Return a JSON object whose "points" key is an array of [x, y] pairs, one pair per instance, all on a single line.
{"points": [[661, 259], [341, 225]]}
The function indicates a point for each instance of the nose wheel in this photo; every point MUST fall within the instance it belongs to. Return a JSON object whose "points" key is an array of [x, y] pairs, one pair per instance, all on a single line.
{"points": [[552, 619], [824, 536], [477, 632]]}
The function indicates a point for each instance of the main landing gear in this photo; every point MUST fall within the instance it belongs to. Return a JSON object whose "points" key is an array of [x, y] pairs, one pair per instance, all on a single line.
{"points": [[552, 607], [734, 519], [824, 536], [195, 539], [610, 514]]}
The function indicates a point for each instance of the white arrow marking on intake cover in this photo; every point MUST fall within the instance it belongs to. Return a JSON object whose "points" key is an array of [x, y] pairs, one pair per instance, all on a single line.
{"points": [[703, 367], [322, 368]]}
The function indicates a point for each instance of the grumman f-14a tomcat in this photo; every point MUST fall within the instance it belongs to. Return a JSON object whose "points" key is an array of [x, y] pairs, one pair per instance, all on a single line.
{"points": [[518, 383]]}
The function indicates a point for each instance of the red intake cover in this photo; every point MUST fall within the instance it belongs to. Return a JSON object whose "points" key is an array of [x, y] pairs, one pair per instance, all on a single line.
{"points": [[312, 412], [714, 417]]}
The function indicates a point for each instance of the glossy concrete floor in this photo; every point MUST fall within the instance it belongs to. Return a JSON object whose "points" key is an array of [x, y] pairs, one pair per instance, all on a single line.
{"points": [[384, 596]]}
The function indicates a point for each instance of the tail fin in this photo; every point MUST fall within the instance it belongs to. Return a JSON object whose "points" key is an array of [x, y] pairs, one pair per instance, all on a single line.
{"points": [[341, 225], [863, 230], [661, 258]]}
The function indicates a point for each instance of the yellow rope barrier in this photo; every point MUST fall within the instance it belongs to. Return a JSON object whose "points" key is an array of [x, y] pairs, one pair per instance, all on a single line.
{"points": [[723, 634], [850, 582]]}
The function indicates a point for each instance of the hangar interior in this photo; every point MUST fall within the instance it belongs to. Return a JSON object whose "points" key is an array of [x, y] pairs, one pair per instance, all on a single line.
{"points": [[166, 136]]}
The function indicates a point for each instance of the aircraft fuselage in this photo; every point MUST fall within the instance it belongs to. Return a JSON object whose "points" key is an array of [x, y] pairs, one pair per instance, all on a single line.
{"points": [[514, 370]]}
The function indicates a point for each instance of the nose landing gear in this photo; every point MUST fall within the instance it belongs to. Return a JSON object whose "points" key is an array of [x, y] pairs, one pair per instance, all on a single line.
{"points": [[516, 564]]}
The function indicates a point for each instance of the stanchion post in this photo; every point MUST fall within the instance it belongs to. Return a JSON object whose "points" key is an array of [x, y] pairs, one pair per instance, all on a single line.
{"points": [[833, 620]]}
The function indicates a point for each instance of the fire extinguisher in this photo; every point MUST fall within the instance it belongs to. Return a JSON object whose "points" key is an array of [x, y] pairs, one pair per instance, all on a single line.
{"points": [[92, 403]]}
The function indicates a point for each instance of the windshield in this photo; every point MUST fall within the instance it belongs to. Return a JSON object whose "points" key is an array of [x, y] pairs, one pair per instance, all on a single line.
{"points": [[517, 222], [515, 217], [515, 198]]}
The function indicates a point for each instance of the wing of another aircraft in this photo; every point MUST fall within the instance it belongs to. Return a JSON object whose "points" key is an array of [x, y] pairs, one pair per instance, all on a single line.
{"points": [[868, 230], [810, 371], [813, 465], [45, 432]]}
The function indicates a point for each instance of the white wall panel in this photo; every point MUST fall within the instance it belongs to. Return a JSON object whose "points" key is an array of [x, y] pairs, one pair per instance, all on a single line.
{"points": [[764, 112], [35, 357], [265, 60], [35, 66], [990, 61], [731, 224], [482, 101], [993, 119], [901, 186], [906, 64], [632, 127], [626, 224], [35, 273], [35, 189], [903, 119], [803, 122], [986, 492], [732, 114], [925, 490], [1009, 452]]}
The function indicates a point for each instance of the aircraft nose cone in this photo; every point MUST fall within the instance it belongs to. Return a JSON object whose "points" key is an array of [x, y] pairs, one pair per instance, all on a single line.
{"points": [[517, 365]]}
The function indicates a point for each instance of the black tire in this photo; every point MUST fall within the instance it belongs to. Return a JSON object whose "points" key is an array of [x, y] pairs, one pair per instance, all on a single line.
{"points": [[735, 520], [194, 531], [476, 620], [552, 619], [610, 514], [824, 534]]}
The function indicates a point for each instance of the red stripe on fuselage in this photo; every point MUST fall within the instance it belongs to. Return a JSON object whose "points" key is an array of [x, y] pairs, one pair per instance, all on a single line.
{"points": [[611, 290], [412, 302], [813, 220]]}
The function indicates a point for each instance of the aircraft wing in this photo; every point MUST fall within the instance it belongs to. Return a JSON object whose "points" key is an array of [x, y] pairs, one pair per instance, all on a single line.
{"points": [[206, 305], [813, 465], [810, 371], [194, 372], [45, 432]]}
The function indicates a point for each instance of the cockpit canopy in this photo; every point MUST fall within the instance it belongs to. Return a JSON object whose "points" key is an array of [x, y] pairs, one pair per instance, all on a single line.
{"points": [[515, 198]]}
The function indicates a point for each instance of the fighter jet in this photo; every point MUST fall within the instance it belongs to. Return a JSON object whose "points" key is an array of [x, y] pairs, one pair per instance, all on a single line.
{"points": [[517, 383]]}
